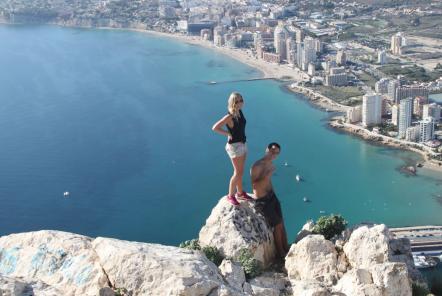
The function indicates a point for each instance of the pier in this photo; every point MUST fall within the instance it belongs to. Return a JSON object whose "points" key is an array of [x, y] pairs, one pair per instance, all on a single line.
{"points": [[425, 240], [241, 80]]}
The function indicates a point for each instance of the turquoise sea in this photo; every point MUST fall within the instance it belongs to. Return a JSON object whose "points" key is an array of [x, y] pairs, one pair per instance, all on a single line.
{"points": [[122, 120]]}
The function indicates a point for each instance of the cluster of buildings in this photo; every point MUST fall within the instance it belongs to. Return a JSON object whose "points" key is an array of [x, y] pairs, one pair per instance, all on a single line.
{"points": [[412, 116]]}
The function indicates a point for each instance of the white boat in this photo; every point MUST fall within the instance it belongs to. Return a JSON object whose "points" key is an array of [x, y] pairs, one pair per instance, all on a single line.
{"points": [[321, 212], [286, 163], [66, 193], [212, 82], [298, 178], [305, 199]]}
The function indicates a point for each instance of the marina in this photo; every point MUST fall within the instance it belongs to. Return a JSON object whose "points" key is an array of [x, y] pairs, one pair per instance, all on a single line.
{"points": [[426, 243]]}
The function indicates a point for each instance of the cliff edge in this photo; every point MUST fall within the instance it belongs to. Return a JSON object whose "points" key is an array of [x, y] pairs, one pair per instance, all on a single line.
{"points": [[365, 260]]}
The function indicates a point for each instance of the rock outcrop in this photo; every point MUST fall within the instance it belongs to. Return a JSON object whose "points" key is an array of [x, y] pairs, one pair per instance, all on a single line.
{"points": [[60, 263], [364, 261], [63, 260], [368, 262], [313, 258], [152, 269], [231, 228]]}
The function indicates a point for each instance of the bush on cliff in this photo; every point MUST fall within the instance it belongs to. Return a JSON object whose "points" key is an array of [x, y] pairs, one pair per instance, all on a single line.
{"points": [[252, 267], [192, 244], [329, 226], [212, 253]]}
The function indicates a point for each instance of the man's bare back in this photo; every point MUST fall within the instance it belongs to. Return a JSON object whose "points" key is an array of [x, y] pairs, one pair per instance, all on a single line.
{"points": [[266, 201], [261, 174]]}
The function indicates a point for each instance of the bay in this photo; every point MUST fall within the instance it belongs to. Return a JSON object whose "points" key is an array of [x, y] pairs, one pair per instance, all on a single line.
{"points": [[122, 120]]}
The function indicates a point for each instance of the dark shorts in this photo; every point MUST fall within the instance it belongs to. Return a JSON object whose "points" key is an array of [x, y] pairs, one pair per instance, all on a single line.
{"points": [[270, 208]]}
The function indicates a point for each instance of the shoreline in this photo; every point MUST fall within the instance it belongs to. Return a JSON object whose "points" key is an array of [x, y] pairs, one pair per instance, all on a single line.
{"points": [[378, 139], [284, 73]]}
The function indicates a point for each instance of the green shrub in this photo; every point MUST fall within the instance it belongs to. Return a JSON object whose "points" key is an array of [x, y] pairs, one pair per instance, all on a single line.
{"points": [[251, 266], [191, 244], [419, 289], [213, 254], [329, 226], [122, 292]]}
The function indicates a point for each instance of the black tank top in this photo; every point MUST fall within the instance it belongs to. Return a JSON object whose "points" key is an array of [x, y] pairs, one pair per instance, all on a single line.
{"points": [[238, 131]]}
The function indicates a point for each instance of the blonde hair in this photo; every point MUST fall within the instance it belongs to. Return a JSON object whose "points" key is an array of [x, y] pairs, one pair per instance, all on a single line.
{"points": [[233, 104]]}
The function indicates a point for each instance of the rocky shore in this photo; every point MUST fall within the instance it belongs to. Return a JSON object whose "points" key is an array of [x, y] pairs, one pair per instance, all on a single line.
{"points": [[364, 260], [428, 163]]}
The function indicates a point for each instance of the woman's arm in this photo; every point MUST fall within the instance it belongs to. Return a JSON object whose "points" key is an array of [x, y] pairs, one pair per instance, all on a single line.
{"points": [[218, 126]]}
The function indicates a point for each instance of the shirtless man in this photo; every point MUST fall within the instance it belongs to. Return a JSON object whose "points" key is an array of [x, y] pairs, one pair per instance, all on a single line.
{"points": [[266, 200]]}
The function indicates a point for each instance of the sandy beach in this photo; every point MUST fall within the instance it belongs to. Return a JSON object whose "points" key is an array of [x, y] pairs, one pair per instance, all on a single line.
{"points": [[268, 70]]}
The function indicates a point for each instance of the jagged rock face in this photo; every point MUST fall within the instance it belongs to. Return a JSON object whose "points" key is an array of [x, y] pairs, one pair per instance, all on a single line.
{"points": [[368, 246], [270, 283], [233, 273], [20, 287], [151, 269], [393, 278], [309, 288], [358, 282], [313, 258], [231, 228], [63, 260]]}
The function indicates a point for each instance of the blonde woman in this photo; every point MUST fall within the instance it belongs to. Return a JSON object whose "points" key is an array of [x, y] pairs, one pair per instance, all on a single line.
{"points": [[236, 147]]}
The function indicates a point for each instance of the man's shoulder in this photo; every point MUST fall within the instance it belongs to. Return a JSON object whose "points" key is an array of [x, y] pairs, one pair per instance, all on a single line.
{"points": [[258, 164]]}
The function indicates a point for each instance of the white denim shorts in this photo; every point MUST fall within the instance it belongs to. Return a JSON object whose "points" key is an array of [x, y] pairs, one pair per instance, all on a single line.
{"points": [[236, 149]]}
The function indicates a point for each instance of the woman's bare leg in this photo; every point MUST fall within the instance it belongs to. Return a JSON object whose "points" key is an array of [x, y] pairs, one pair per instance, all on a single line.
{"points": [[238, 171]]}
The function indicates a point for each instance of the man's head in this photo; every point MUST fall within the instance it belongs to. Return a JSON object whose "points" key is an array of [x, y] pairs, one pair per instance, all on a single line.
{"points": [[273, 150]]}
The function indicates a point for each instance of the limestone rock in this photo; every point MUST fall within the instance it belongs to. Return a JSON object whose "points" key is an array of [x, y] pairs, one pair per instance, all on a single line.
{"points": [[151, 269], [307, 229], [233, 273], [309, 288], [313, 258], [368, 246], [393, 278], [400, 251], [231, 228], [269, 283], [357, 282], [20, 287], [62, 260]]}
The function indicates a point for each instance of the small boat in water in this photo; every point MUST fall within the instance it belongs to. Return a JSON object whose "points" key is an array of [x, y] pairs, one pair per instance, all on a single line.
{"points": [[305, 199], [286, 164], [66, 193], [298, 178], [212, 82]]}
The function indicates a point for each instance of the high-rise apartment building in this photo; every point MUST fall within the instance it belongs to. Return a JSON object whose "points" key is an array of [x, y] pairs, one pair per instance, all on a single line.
{"points": [[371, 110], [405, 114], [426, 130]]}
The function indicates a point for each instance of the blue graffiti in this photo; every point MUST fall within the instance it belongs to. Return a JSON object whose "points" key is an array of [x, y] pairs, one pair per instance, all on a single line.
{"points": [[8, 260], [83, 276]]}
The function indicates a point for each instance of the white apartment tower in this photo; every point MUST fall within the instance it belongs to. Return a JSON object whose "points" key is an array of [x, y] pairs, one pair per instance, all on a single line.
{"points": [[405, 113], [426, 130], [395, 115], [397, 42], [279, 41], [371, 110], [382, 57]]}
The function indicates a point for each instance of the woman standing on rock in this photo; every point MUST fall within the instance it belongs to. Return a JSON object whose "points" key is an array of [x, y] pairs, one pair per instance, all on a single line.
{"points": [[236, 147]]}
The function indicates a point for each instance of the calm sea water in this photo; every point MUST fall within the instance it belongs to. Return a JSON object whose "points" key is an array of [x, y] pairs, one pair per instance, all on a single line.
{"points": [[122, 120]]}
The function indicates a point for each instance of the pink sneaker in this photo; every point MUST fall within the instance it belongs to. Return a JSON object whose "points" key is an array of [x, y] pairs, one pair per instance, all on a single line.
{"points": [[244, 196], [232, 200]]}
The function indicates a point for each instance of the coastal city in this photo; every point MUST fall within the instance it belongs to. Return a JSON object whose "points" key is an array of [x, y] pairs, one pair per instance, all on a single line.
{"points": [[377, 63], [375, 67]]}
